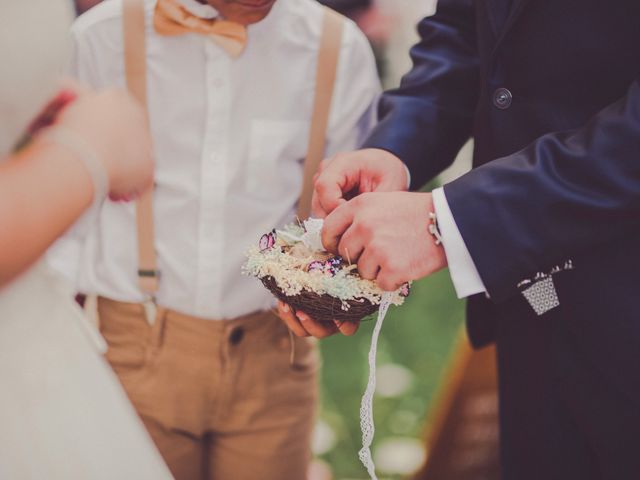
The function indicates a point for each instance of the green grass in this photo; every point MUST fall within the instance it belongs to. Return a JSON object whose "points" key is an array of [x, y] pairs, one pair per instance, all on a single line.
{"points": [[419, 336]]}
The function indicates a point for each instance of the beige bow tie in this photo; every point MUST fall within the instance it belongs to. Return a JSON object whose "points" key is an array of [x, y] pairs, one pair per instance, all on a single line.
{"points": [[171, 18]]}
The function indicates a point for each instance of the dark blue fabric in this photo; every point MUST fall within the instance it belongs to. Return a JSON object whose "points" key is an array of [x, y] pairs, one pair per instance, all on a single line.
{"points": [[557, 177]]}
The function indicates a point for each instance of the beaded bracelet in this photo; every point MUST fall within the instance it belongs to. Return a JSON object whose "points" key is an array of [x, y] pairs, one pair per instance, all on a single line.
{"points": [[434, 229], [68, 138]]}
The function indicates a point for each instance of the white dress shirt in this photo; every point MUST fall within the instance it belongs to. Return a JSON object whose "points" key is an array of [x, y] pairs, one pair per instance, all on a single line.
{"points": [[464, 274], [230, 137]]}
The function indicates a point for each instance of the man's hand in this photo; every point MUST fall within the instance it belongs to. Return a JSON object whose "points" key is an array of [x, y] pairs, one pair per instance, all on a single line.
{"points": [[302, 325], [387, 235], [350, 174]]}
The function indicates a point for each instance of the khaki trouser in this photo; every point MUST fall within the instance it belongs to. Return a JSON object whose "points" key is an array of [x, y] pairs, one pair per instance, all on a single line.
{"points": [[222, 400]]}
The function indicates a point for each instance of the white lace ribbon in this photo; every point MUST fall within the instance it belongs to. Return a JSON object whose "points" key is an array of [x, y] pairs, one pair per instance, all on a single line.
{"points": [[367, 424]]}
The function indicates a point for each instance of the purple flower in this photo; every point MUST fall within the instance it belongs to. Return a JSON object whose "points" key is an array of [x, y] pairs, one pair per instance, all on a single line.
{"points": [[267, 241], [405, 290], [333, 266], [316, 266], [335, 261]]}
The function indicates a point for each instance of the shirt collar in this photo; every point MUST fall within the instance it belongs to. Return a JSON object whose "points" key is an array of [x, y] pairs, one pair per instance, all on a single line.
{"points": [[202, 10]]}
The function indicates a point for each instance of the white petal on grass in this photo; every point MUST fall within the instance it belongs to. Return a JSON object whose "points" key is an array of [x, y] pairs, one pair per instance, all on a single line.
{"points": [[319, 470], [324, 438], [399, 456], [393, 380]]}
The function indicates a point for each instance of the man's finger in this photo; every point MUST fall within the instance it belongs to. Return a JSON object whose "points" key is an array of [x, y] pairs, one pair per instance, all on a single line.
{"points": [[288, 317], [330, 189], [316, 329], [388, 281], [338, 177], [368, 266], [351, 246], [347, 328], [336, 223]]}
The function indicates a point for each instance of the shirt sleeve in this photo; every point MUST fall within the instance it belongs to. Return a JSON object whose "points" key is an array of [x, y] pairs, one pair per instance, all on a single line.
{"points": [[356, 94], [463, 271]]}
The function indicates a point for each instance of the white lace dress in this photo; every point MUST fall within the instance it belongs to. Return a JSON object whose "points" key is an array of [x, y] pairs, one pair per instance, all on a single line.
{"points": [[63, 414]]}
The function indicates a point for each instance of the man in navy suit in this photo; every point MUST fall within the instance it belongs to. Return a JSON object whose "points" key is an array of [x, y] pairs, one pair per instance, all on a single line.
{"points": [[543, 236]]}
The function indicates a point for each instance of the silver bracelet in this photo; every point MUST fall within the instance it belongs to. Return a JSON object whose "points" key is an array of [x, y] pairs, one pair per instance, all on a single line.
{"points": [[434, 229], [68, 138]]}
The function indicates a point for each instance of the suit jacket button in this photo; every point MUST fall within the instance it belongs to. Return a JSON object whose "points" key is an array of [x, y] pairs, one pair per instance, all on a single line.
{"points": [[502, 98]]}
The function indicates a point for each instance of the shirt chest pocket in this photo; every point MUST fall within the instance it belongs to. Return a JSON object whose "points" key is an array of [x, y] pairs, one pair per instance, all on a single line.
{"points": [[277, 149]]}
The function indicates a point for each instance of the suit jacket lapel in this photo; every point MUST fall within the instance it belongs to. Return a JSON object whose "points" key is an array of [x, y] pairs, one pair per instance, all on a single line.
{"points": [[517, 6], [498, 11]]}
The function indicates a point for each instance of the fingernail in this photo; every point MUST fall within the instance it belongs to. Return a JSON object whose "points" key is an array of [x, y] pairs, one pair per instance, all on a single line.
{"points": [[286, 308], [302, 317]]}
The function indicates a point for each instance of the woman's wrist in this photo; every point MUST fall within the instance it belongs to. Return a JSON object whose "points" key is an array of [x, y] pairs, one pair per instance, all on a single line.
{"points": [[82, 152]]}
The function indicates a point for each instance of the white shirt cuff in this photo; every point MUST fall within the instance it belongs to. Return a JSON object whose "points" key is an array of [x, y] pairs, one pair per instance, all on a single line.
{"points": [[463, 271]]}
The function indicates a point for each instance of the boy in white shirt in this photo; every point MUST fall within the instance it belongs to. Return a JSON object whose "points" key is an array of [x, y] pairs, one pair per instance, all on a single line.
{"points": [[212, 376]]}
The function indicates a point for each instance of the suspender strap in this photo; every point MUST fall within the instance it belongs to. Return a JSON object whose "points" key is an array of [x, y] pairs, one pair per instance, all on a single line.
{"points": [[328, 57], [136, 73]]}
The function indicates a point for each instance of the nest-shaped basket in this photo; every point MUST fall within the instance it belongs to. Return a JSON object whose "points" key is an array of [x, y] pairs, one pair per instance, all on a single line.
{"points": [[323, 308], [294, 266]]}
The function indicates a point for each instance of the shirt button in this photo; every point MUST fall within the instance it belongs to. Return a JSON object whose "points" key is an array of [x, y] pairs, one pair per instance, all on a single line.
{"points": [[218, 83], [502, 98], [236, 336]]}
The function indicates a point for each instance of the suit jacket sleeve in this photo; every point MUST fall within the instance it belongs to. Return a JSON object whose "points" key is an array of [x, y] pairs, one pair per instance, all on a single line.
{"points": [[429, 117], [564, 194]]}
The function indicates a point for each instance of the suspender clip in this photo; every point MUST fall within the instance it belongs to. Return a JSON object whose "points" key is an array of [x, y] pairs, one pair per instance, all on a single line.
{"points": [[150, 309]]}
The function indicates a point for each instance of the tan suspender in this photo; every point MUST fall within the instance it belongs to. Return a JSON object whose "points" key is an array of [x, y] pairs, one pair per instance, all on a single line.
{"points": [[136, 72], [135, 67], [328, 57]]}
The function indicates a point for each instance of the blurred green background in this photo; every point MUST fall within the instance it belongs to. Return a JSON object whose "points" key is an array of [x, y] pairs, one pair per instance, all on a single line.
{"points": [[415, 346]]}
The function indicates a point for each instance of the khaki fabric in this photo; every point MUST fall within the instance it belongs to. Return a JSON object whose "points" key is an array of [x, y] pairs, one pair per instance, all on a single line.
{"points": [[221, 399]]}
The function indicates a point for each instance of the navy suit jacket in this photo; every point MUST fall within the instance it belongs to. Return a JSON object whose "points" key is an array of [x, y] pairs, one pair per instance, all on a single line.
{"points": [[550, 93]]}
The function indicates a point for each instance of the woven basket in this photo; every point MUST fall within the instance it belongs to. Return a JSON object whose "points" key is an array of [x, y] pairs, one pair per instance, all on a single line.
{"points": [[322, 308]]}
